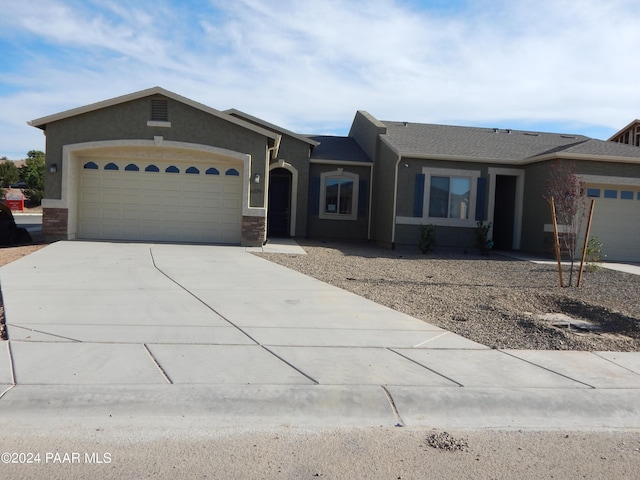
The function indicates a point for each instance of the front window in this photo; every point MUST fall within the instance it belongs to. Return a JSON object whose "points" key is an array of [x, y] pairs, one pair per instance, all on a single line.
{"points": [[338, 195], [449, 197]]}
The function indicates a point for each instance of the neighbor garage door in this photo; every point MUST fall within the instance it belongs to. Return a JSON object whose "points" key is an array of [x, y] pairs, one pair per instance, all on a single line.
{"points": [[159, 201], [616, 221]]}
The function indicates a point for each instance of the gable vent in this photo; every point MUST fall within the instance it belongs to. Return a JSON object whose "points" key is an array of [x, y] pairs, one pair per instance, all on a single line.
{"points": [[159, 110]]}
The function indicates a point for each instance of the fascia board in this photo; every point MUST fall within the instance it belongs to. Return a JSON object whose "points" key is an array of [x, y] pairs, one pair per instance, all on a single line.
{"points": [[580, 156], [250, 118]]}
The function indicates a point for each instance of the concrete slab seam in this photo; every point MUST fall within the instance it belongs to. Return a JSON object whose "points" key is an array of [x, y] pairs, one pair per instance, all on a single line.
{"points": [[616, 364], [430, 340], [291, 365], [12, 369], [153, 261], [394, 409], [425, 367], [547, 369], [6, 391], [157, 364], [44, 333]]}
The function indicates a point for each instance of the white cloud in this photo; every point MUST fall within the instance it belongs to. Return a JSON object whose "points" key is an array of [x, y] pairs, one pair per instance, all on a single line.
{"points": [[310, 65]]}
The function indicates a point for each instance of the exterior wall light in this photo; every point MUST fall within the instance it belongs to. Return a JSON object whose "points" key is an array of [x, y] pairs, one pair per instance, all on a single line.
{"points": [[53, 168], [256, 178]]}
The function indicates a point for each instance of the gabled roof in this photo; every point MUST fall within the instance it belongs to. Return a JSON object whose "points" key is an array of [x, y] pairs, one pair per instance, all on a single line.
{"points": [[43, 121], [519, 147], [269, 126], [340, 149]]}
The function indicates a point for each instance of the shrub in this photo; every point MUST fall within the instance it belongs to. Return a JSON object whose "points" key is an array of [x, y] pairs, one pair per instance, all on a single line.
{"points": [[427, 238], [594, 254], [483, 242]]}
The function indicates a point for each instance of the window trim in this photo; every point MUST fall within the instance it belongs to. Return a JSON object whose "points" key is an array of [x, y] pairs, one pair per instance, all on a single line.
{"points": [[472, 175], [339, 173]]}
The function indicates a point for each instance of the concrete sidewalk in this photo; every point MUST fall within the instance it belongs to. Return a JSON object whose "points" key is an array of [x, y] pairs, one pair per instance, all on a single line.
{"points": [[210, 335]]}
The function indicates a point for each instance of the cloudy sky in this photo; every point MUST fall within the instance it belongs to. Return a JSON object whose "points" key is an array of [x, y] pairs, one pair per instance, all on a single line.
{"points": [[565, 66]]}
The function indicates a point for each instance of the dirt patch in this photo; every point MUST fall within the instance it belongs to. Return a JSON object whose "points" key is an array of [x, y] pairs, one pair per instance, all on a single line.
{"points": [[11, 254]]}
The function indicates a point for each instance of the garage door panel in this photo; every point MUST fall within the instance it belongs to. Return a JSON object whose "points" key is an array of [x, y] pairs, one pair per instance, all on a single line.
{"points": [[616, 223], [130, 205]]}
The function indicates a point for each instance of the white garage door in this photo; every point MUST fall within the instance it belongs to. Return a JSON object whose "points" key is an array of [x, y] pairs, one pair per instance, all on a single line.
{"points": [[616, 221], [159, 201]]}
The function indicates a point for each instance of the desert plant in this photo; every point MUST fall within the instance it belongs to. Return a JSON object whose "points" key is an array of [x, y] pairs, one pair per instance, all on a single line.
{"points": [[427, 240], [594, 254], [483, 242]]}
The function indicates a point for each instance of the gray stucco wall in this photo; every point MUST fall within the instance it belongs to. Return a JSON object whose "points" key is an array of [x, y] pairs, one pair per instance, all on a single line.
{"points": [[537, 213], [461, 237], [383, 194], [345, 229], [366, 130], [296, 153], [410, 167], [128, 121], [448, 237]]}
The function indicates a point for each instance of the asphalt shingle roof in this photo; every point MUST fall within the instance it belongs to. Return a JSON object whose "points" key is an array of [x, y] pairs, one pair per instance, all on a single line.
{"points": [[344, 149], [508, 146]]}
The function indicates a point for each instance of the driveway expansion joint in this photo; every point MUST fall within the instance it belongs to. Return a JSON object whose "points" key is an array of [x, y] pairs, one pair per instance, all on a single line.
{"points": [[425, 367], [291, 365], [547, 369], [153, 261], [157, 364], [12, 369]]}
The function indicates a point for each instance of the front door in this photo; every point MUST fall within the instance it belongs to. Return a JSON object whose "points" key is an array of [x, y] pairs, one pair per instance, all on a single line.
{"points": [[504, 213], [278, 217]]}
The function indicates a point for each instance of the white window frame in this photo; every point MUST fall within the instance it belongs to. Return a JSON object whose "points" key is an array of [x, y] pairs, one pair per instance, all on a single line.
{"points": [[472, 175], [323, 195]]}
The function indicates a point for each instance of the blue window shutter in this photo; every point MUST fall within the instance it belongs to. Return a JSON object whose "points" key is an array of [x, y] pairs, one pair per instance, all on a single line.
{"points": [[480, 195], [314, 196], [363, 195], [418, 199]]}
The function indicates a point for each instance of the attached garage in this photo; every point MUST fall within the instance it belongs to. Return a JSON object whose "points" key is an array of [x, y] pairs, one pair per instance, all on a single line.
{"points": [[616, 220], [163, 200]]}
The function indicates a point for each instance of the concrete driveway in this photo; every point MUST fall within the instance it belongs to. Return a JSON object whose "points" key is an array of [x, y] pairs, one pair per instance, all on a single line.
{"points": [[193, 334]]}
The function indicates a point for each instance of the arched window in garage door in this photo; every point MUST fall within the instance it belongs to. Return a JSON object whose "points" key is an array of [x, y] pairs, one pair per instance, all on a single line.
{"points": [[192, 171], [90, 166], [232, 172], [132, 167], [152, 168], [172, 169], [212, 171], [111, 166]]}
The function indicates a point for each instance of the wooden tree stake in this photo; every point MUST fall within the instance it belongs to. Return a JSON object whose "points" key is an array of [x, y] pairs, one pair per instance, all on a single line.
{"points": [[556, 240], [586, 242]]}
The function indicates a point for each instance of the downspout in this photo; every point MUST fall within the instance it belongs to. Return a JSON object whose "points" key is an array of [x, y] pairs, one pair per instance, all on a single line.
{"points": [[370, 202], [395, 202]]}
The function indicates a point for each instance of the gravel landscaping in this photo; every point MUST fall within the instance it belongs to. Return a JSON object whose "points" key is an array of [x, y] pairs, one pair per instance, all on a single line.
{"points": [[494, 300]]}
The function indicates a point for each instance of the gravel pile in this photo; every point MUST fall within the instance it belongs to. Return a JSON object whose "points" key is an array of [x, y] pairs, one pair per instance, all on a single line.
{"points": [[445, 441], [494, 300]]}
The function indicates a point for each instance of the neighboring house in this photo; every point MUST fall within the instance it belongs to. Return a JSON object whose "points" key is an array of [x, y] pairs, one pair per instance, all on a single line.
{"points": [[629, 134], [156, 166]]}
